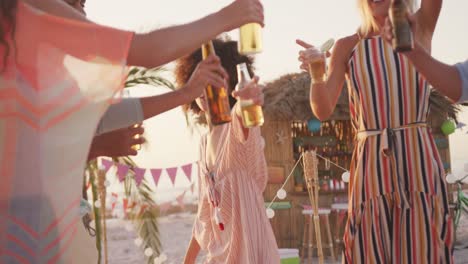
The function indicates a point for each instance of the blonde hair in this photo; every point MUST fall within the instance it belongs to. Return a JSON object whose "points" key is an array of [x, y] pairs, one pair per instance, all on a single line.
{"points": [[369, 24]]}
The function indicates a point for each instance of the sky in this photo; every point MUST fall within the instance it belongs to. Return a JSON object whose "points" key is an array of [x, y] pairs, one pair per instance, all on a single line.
{"points": [[172, 144]]}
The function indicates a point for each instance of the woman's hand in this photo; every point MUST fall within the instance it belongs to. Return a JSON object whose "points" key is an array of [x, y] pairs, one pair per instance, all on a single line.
{"points": [[387, 31], [309, 54], [207, 72], [117, 143], [241, 12], [252, 91]]}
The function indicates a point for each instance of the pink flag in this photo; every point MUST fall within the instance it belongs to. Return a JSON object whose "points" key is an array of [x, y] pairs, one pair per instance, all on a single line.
{"points": [[139, 175], [107, 164], [156, 175], [188, 171], [180, 200], [172, 174], [122, 171]]}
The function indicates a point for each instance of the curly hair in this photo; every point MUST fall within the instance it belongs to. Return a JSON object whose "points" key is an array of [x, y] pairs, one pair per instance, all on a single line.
{"points": [[227, 51], [7, 26]]}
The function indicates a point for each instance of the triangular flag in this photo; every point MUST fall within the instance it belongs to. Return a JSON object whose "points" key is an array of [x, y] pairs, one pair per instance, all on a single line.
{"points": [[180, 200], [107, 164], [172, 172], [122, 171], [461, 125], [156, 175], [188, 171], [139, 175]]}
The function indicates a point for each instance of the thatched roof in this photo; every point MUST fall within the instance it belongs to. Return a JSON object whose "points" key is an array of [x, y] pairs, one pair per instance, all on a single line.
{"points": [[287, 98]]}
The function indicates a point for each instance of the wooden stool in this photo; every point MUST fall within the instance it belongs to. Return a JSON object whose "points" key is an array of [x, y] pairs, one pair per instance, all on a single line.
{"points": [[341, 211], [308, 238]]}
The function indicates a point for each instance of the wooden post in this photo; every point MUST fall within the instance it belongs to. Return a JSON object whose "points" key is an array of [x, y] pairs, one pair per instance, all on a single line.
{"points": [[311, 177]]}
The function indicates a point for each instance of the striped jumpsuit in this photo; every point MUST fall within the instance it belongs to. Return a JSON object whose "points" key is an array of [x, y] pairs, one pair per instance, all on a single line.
{"points": [[398, 211]]}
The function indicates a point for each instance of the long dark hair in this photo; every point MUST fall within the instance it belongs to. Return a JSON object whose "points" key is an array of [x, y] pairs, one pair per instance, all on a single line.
{"points": [[230, 57], [7, 26]]}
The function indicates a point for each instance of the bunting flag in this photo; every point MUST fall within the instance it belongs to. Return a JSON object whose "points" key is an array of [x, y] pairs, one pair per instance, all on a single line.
{"points": [[107, 164], [172, 172], [122, 171], [461, 125], [156, 175], [139, 175], [188, 171]]}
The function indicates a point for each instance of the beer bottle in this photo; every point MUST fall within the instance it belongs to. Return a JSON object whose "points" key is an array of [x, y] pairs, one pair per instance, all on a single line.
{"points": [[252, 114], [219, 110], [403, 35], [250, 39]]}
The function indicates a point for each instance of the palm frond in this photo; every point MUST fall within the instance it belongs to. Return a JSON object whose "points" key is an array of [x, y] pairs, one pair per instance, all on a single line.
{"points": [[92, 170], [138, 75]]}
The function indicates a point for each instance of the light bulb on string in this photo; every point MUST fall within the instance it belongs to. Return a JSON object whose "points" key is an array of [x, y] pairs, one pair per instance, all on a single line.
{"points": [[450, 178], [138, 241], [162, 257], [281, 194], [148, 252], [97, 204], [270, 213], [345, 176]]}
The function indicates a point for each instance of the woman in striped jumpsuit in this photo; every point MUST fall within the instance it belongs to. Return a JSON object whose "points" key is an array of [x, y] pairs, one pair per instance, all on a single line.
{"points": [[398, 208]]}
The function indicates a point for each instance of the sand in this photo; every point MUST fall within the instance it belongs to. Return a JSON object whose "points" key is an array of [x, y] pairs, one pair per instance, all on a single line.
{"points": [[175, 235]]}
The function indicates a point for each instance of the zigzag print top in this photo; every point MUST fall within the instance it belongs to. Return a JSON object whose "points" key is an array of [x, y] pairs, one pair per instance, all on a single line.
{"points": [[53, 90]]}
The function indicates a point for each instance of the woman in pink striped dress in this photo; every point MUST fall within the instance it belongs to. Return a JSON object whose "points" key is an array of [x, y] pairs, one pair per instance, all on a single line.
{"points": [[398, 209], [233, 173]]}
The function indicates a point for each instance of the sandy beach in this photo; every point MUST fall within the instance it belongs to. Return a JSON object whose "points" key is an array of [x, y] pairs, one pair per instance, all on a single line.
{"points": [[175, 236]]}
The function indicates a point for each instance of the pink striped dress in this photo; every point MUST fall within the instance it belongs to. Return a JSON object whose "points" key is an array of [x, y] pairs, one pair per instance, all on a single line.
{"points": [[240, 177], [398, 199]]}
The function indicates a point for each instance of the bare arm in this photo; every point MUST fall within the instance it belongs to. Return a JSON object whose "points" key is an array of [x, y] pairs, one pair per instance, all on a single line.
{"points": [[164, 45], [192, 252], [443, 77], [427, 17]]}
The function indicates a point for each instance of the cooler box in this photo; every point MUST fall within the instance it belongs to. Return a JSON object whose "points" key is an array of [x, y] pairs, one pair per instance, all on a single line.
{"points": [[289, 255]]}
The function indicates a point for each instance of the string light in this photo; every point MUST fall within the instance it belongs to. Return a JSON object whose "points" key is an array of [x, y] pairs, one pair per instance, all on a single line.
{"points": [[450, 178], [281, 194], [148, 252], [286, 181], [138, 241], [270, 213]]}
